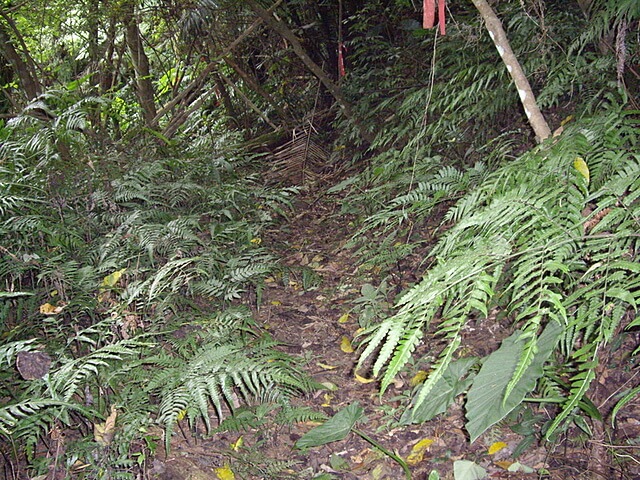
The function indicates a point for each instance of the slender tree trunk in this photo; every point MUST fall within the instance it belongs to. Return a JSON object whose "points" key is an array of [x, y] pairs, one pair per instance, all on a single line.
{"points": [[284, 31], [527, 98], [140, 62]]}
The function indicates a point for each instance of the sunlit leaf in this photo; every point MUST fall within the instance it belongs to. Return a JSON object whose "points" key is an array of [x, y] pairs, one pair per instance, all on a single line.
{"points": [[48, 309], [113, 278], [418, 378], [581, 166], [418, 451], [225, 473], [324, 366], [362, 379], [345, 345], [496, 447], [103, 432], [235, 446]]}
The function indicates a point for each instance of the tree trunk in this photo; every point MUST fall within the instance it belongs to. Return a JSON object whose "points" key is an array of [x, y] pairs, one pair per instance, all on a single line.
{"points": [[287, 34], [26, 75], [528, 100], [144, 85]]}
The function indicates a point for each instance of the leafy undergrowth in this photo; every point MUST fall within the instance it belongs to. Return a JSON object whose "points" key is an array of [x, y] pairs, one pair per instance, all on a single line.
{"points": [[327, 296], [180, 319]]}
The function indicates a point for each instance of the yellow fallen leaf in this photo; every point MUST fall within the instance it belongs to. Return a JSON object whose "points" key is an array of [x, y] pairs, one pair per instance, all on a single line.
{"points": [[567, 120], [48, 309], [582, 167], [496, 447], [327, 400], [276, 303], [344, 318], [418, 378], [324, 366], [345, 345], [113, 278], [364, 380], [235, 446], [225, 473], [103, 432], [418, 450], [504, 464]]}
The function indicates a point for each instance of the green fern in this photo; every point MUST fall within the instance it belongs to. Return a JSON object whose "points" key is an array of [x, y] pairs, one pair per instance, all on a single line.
{"points": [[522, 235], [222, 375]]}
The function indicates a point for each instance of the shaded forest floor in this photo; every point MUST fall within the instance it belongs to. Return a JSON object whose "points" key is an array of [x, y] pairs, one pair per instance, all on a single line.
{"points": [[307, 313]]}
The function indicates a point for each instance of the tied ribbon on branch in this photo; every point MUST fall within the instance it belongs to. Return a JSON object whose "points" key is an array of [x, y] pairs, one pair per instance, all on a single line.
{"points": [[429, 14], [341, 49]]}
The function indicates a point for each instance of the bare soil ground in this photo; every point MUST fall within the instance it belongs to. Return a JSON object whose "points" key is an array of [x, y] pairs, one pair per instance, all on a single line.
{"points": [[307, 322]]}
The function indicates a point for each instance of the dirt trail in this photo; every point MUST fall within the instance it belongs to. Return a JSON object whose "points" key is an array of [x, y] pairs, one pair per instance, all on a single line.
{"points": [[303, 311]]}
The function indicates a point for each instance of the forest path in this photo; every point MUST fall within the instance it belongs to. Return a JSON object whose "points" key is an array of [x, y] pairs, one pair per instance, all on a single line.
{"points": [[306, 310], [313, 322]]}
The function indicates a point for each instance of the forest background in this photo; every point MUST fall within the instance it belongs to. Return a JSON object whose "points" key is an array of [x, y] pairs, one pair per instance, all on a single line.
{"points": [[483, 157]]}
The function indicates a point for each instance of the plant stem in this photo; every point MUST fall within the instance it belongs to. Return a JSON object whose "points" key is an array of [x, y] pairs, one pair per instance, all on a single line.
{"points": [[397, 458]]}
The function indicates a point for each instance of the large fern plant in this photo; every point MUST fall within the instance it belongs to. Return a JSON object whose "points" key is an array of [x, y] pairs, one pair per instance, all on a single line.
{"points": [[551, 239], [130, 281]]}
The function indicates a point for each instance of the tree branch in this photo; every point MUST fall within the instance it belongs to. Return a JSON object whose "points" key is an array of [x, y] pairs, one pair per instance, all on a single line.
{"points": [[527, 98]]}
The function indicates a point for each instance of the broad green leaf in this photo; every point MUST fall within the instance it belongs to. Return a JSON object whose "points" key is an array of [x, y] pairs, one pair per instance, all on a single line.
{"points": [[486, 404], [447, 388], [334, 429], [466, 470]]}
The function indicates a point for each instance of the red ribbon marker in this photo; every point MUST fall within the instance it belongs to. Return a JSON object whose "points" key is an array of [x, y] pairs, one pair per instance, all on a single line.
{"points": [[341, 70], [429, 13]]}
